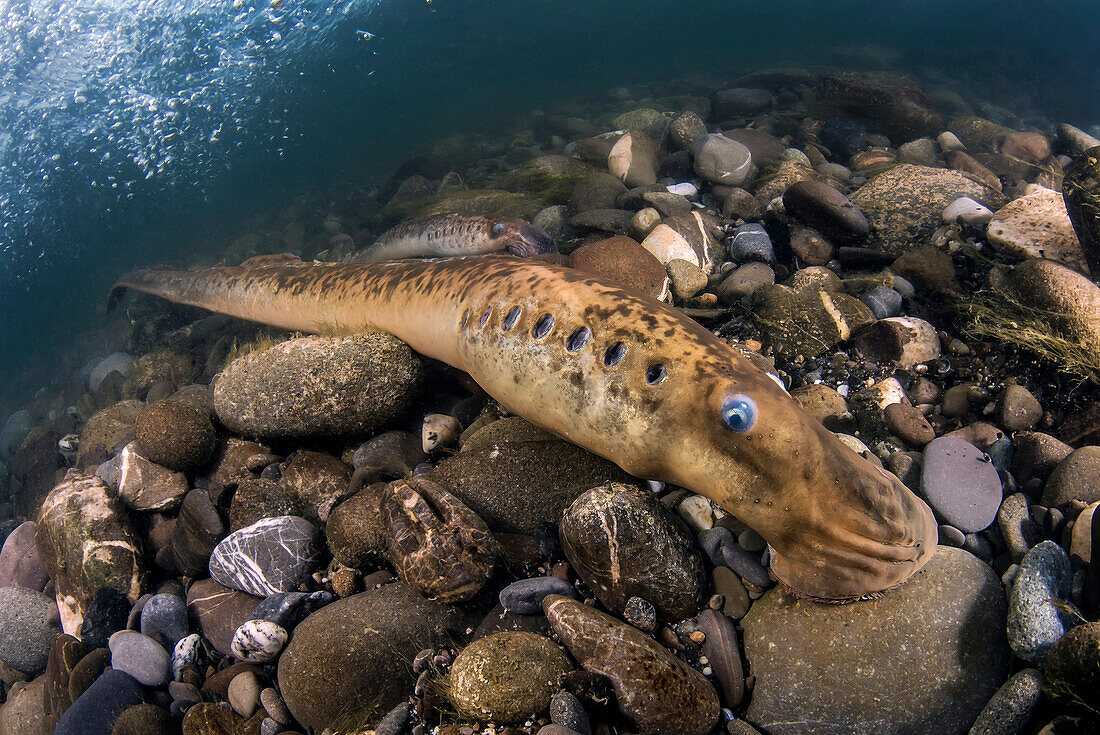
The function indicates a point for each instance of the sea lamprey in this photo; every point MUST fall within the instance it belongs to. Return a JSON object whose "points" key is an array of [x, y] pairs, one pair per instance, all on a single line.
{"points": [[459, 233], [624, 376]]}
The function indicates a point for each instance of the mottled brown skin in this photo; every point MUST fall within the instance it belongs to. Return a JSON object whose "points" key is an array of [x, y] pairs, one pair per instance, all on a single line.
{"points": [[460, 233], [840, 528]]}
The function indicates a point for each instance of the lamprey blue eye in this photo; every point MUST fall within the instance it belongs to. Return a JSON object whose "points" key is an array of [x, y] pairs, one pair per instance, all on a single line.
{"points": [[498, 227], [739, 413]]}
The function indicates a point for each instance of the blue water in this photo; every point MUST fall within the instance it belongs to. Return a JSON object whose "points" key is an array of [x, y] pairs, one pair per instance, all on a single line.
{"points": [[134, 132]]}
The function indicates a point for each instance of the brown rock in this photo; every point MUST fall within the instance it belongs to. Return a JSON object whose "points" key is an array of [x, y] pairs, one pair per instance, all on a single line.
{"points": [[23, 713], [219, 611], [745, 281], [825, 405], [634, 159], [929, 268], [236, 459], [1073, 666], [514, 486], [318, 386], [891, 102], [87, 670], [940, 639], [1071, 301], [358, 652], [207, 718], [909, 424], [439, 547], [65, 653], [827, 210], [1077, 477], [964, 162], [623, 542], [197, 530], [723, 650], [1081, 190], [1027, 146], [904, 204], [258, 498], [902, 340], [175, 434], [807, 322], [34, 470], [1035, 454], [146, 719], [146, 486], [596, 191], [976, 132], [623, 260], [660, 693], [810, 247], [355, 532], [1016, 409], [318, 480]]}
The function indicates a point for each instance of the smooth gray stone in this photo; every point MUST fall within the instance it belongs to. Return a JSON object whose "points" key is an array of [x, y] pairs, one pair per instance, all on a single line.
{"points": [[141, 657], [525, 596]]}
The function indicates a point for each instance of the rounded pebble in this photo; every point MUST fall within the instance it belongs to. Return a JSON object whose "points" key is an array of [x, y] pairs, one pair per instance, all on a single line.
{"points": [[165, 615], [960, 483], [259, 641], [141, 657], [525, 596]]}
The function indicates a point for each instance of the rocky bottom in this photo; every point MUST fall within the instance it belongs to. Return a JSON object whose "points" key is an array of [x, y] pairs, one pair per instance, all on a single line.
{"points": [[218, 528]]}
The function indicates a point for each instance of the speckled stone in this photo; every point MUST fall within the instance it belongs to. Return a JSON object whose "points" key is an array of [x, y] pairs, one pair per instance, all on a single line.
{"points": [[318, 386], [657, 691], [28, 625], [1012, 706], [1034, 622], [272, 555], [358, 651], [1077, 477], [939, 639]]}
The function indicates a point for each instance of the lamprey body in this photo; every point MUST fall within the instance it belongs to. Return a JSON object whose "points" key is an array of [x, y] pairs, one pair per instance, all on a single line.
{"points": [[620, 374], [449, 235]]}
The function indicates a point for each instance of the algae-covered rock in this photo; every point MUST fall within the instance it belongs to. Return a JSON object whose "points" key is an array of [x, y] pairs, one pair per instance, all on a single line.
{"points": [[976, 132], [1081, 190], [891, 102], [318, 386], [807, 321], [350, 662], [549, 178], [507, 677], [109, 428], [904, 203], [488, 201], [86, 541], [515, 486]]}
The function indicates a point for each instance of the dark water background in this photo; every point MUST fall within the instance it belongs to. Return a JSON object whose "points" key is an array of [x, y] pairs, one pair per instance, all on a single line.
{"points": [[135, 133]]}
